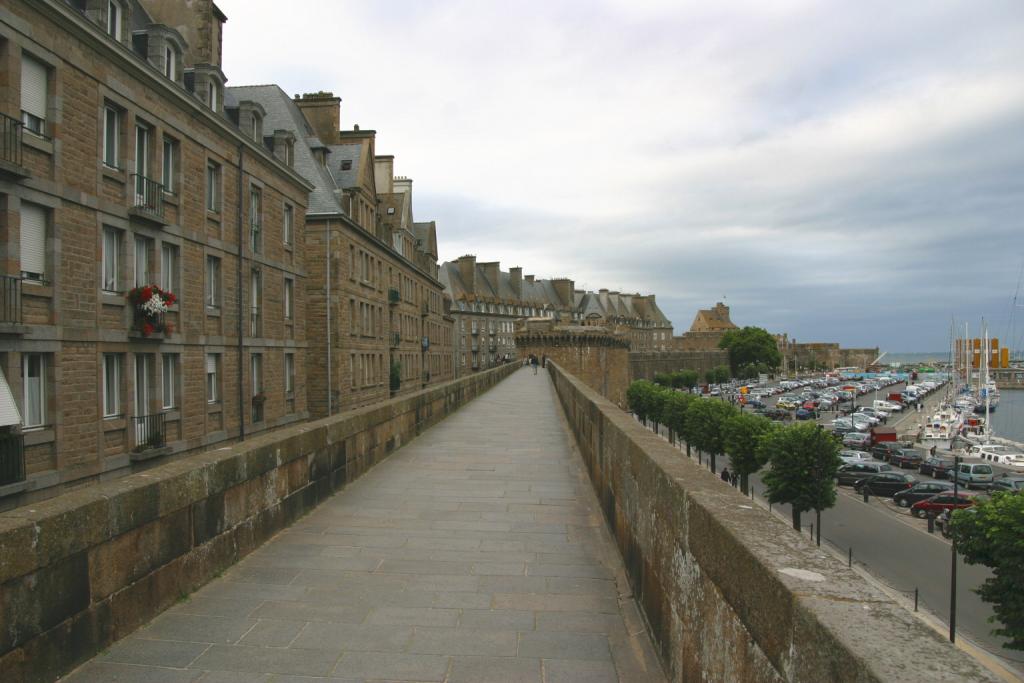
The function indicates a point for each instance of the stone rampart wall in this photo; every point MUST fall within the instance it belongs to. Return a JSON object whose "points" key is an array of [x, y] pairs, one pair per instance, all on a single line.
{"points": [[82, 570], [647, 365], [729, 592]]}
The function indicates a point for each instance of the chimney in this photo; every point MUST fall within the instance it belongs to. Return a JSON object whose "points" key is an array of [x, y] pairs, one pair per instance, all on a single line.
{"points": [[384, 173], [602, 296], [491, 271], [323, 112], [516, 278], [529, 278], [563, 287], [467, 271]]}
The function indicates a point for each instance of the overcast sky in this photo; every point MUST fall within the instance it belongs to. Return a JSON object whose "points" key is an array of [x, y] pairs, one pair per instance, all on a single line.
{"points": [[842, 171]]}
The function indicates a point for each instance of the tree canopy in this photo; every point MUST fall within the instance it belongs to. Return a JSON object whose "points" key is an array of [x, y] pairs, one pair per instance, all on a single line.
{"points": [[742, 434], [804, 460], [703, 427], [992, 533], [750, 346]]}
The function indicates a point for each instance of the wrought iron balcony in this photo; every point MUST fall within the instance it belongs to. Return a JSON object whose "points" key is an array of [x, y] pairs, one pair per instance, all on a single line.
{"points": [[149, 431], [10, 299], [148, 198], [257, 407], [396, 339], [12, 458], [10, 143], [424, 309], [394, 296]]}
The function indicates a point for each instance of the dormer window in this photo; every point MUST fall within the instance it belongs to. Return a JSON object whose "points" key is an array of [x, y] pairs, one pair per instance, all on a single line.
{"points": [[255, 132], [346, 165], [114, 20], [211, 94], [170, 63]]}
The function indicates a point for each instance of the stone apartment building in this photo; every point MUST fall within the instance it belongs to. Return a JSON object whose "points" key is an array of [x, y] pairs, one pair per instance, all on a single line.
{"points": [[373, 296], [123, 167], [488, 304]]}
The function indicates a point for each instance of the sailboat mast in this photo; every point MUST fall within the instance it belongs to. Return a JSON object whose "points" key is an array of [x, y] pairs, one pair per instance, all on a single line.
{"points": [[988, 430]]}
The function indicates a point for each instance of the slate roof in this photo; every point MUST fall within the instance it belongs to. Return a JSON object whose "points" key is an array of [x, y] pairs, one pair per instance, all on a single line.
{"points": [[281, 113], [351, 151]]}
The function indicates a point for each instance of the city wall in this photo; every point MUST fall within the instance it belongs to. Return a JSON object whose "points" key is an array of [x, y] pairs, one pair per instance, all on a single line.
{"points": [[647, 365], [82, 570], [728, 591]]}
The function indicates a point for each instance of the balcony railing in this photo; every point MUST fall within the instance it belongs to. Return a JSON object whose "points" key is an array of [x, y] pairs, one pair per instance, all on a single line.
{"points": [[257, 407], [424, 308], [12, 458], [10, 140], [475, 331], [10, 299], [396, 339], [394, 296], [149, 431], [254, 321], [426, 377], [149, 195]]}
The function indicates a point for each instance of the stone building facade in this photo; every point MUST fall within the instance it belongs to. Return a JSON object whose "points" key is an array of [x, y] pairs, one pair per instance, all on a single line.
{"points": [[375, 302], [124, 168], [488, 304], [706, 331]]}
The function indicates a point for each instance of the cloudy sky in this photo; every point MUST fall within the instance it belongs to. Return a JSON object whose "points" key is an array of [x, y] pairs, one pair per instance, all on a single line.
{"points": [[842, 171]]}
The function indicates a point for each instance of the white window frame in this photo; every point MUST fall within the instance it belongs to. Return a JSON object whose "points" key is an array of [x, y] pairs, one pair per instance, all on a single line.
{"points": [[256, 373], [169, 256], [111, 385], [111, 137], [255, 219], [114, 19], [288, 224], [142, 247], [111, 260], [213, 186], [255, 301], [213, 378], [289, 299], [212, 285], [35, 96], [33, 412], [34, 219], [169, 380], [168, 165], [211, 92], [170, 62], [289, 375]]}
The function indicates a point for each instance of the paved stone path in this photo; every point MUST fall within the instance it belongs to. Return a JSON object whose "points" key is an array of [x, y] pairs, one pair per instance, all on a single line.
{"points": [[475, 554]]}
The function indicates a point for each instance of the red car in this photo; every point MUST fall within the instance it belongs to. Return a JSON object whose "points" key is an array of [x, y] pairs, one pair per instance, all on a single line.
{"points": [[936, 505]]}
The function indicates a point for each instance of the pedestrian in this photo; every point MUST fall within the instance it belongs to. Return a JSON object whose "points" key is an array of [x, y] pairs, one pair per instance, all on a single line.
{"points": [[932, 451], [726, 477], [533, 362], [735, 478]]}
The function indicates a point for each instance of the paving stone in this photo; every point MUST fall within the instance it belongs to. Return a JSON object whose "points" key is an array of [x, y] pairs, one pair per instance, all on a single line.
{"points": [[495, 670], [580, 671], [355, 637], [500, 568], [574, 586], [110, 672], [268, 575], [268, 660], [455, 641], [555, 603], [197, 628], [457, 600], [387, 666], [272, 633], [498, 620], [237, 677], [514, 584], [298, 611], [579, 622], [167, 653], [414, 616], [217, 607], [564, 645]]}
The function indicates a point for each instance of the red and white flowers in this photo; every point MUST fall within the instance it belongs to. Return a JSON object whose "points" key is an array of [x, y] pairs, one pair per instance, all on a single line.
{"points": [[151, 303]]}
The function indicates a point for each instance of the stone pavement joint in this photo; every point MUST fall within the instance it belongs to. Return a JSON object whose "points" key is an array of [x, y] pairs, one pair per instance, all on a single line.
{"points": [[475, 553]]}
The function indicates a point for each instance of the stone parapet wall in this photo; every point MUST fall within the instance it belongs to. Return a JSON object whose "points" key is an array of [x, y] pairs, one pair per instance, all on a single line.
{"points": [[647, 365], [729, 592], [82, 570]]}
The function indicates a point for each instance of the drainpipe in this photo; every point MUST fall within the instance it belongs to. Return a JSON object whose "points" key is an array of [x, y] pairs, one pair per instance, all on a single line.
{"points": [[241, 298], [330, 377]]}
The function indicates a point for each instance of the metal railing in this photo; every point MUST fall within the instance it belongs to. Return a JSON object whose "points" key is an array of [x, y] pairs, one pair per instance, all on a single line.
{"points": [[257, 407], [10, 140], [10, 299], [396, 339], [149, 195], [149, 431], [394, 296]]}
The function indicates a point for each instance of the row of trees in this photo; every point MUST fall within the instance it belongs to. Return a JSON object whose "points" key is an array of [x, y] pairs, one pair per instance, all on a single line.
{"points": [[687, 379], [800, 460]]}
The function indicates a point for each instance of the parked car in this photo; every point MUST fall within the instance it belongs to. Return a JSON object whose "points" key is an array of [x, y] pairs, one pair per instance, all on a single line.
{"points": [[851, 456], [885, 483], [858, 440], [804, 414], [937, 467], [848, 475], [936, 505], [1007, 482], [920, 491], [885, 450], [906, 458], [776, 414], [972, 474]]}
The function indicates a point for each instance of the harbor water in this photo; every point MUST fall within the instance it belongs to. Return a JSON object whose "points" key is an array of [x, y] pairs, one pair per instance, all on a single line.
{"points": [[1008, 419]]}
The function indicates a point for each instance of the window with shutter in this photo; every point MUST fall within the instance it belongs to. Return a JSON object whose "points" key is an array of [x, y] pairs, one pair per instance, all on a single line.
{"points": [[33, 242], [211, 378], [34, 86]]}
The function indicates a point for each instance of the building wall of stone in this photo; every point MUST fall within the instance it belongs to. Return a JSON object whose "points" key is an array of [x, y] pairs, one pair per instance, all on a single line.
{"points": [[600, 360], [728, 591], [647, 365], [69, 317], [83, 570], [483, 340]]}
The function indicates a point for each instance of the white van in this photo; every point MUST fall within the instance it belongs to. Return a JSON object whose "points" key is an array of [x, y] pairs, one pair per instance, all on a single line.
{"points": [[886, 406], [972, 474]]}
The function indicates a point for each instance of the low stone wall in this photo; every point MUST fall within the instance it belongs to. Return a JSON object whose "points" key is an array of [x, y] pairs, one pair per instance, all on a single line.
{"points": [[729, 592], [82, 570]]}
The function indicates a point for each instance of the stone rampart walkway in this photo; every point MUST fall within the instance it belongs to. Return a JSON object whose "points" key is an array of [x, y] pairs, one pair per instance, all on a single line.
{"points": [[474, 554]]}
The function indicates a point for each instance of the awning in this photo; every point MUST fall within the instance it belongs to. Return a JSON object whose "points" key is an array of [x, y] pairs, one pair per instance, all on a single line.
{"points": [[9, 414]]}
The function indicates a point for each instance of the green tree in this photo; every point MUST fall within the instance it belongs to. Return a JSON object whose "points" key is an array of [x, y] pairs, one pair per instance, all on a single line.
{"points": [[992, 533], [703, 427], [686, 379], [750, 345], [673, 414], [804, 459], [395, 376], [742, 434]]}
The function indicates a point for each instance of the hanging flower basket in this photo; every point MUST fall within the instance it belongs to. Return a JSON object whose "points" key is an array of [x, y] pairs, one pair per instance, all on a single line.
{"points": [[151, 303]]}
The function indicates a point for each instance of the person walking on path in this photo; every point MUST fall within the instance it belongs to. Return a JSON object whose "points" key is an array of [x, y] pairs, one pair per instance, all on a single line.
{"points": [[533, 362], [726, 477]]}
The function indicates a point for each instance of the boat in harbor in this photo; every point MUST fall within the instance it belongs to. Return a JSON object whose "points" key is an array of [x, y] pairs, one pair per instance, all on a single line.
{"points": [[942, 428]]}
